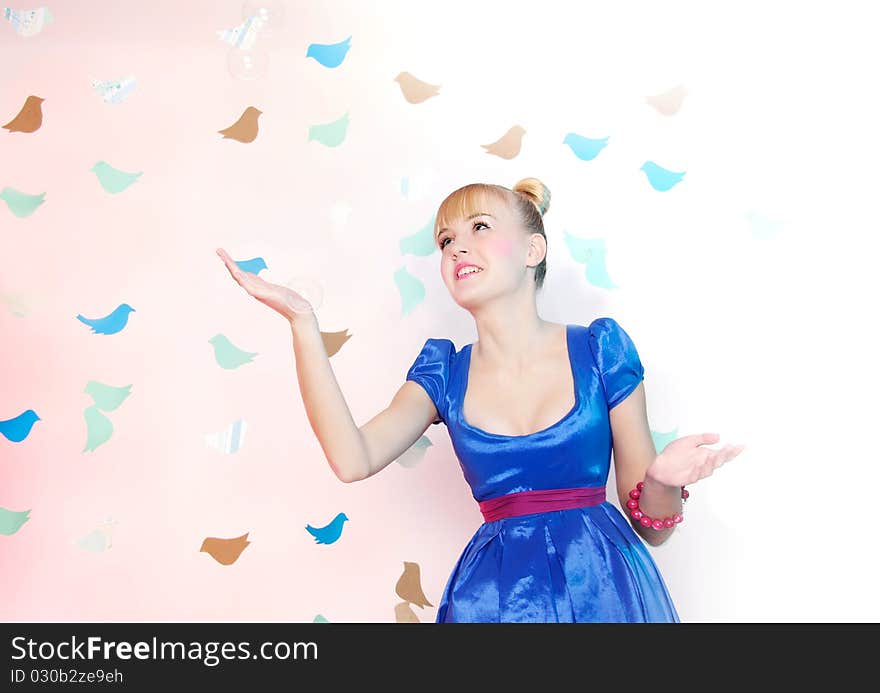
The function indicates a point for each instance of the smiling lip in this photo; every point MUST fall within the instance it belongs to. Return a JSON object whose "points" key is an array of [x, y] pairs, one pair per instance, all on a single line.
{"points": [[461, 265]]}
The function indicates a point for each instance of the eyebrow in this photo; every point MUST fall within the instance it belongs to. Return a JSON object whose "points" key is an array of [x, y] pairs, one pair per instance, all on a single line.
{"points": [[472, 216]]}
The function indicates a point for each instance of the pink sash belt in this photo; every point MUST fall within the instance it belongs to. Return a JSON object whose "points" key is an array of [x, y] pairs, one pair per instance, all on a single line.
{"points": [[540, 501]]}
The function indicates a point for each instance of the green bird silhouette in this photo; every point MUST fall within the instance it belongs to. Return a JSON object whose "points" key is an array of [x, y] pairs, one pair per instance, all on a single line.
{"points": [[98, 428], [11, 521], [421, 242], [228, 355], [330, 134], [107, 397], [21, 204], [112, 179]]}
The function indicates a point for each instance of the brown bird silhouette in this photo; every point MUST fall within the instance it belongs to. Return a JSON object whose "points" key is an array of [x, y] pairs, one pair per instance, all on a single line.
{"points": [[29, 118], [409, 586], [509, 145], [225, 551], [333, 341], [415, 90], [404, 614], [245, 128], [669, 102]]}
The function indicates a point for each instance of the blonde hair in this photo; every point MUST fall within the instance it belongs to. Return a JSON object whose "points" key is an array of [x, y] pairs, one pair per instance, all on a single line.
{"points": [[529, 199]]}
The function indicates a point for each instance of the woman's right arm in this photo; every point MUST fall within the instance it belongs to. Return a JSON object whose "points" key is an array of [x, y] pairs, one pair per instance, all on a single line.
{"points": [[354, 453]]}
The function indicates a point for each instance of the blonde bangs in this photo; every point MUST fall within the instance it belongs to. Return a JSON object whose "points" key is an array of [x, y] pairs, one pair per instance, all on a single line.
{"points": [[471, 199]]}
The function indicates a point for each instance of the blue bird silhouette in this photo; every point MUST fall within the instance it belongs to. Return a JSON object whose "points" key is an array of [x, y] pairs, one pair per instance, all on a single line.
{"points": [[18, 428], [254, 265], [583, 147], [330, 533], [329, 54], [660, 178], [109, 324]]}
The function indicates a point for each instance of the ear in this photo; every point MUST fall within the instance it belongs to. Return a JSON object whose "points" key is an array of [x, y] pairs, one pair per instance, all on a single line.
{"points": [[537, 249]]}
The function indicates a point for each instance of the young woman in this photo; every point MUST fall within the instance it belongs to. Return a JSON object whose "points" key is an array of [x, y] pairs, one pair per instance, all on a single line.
{"points": [[534, 410]]}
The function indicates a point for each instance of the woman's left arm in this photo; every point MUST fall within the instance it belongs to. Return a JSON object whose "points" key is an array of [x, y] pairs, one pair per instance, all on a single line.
{"points": [[682, 462]]}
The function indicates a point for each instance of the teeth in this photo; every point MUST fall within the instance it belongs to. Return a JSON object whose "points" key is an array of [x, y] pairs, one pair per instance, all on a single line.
{"points": [[469, 270]]}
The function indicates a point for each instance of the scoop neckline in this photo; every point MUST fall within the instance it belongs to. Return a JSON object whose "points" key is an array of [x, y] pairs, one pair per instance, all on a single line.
{"points": [[466, 368]]}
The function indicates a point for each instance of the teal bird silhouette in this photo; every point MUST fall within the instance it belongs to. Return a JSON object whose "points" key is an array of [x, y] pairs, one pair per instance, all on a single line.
{"points": [[107, 397], [330, 134], [21, 204], [98, 428], [109, 324], [227, 354], [254, 265], [583, 147], [329, 54], [329, 533], [412, 290], [112, 179], [661, 440], [660, 178], [421, 242], [18, 428], [590, 252], [11, 521]]}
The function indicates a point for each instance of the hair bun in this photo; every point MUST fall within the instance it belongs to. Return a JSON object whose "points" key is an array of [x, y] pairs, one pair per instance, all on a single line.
{"points": [[536, 191]]}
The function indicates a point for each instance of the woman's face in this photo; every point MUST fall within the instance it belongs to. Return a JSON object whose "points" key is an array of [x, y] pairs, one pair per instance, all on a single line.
{"points": [[493, 242]]}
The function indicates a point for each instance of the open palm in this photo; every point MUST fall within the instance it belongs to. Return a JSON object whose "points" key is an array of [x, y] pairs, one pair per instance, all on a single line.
{"points": [[279, 298], [685, 461]]}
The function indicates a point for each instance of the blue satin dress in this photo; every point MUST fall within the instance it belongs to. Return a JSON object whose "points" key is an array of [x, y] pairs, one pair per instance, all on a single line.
{"points": [[577, 565]]}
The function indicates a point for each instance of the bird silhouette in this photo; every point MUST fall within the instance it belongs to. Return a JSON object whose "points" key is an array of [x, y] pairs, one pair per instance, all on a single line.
{"points": [[660, 178], [11, 521], [409, 586], [28, 23], [227, 354], [230, 439], [585, 148], [329, 54], [669, 102], [421, 242], [107, 397], [415, 453], [244, 129], [245, 34], [254, 265], [403, 613], [112, 179], [225, 551], [109, 324], [411, 288], [115, 91], [29, 118], [509, 145], [415, 90], [330, 134], [333, 341], [19, 427], [99, 428], [19, 203], [590, 252], [329, 533]]}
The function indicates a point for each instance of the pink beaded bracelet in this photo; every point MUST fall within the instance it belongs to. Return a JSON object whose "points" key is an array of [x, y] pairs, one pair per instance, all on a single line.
{"points": [[644, 520]]}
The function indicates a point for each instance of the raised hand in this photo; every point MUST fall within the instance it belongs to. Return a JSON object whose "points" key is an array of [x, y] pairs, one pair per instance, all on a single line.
{"points": [[684, 461], [279, 298]]}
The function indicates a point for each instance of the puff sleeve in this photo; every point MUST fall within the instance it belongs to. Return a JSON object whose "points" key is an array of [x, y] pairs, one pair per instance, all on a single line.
{"points": [[617, 359], [431, 370]]}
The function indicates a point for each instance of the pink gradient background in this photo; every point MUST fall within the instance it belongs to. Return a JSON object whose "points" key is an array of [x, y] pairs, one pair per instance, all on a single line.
{"points": [[152, 246]]}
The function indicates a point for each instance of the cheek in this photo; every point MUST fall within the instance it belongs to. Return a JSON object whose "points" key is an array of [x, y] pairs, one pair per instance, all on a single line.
{"points": [[502, 246]]}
